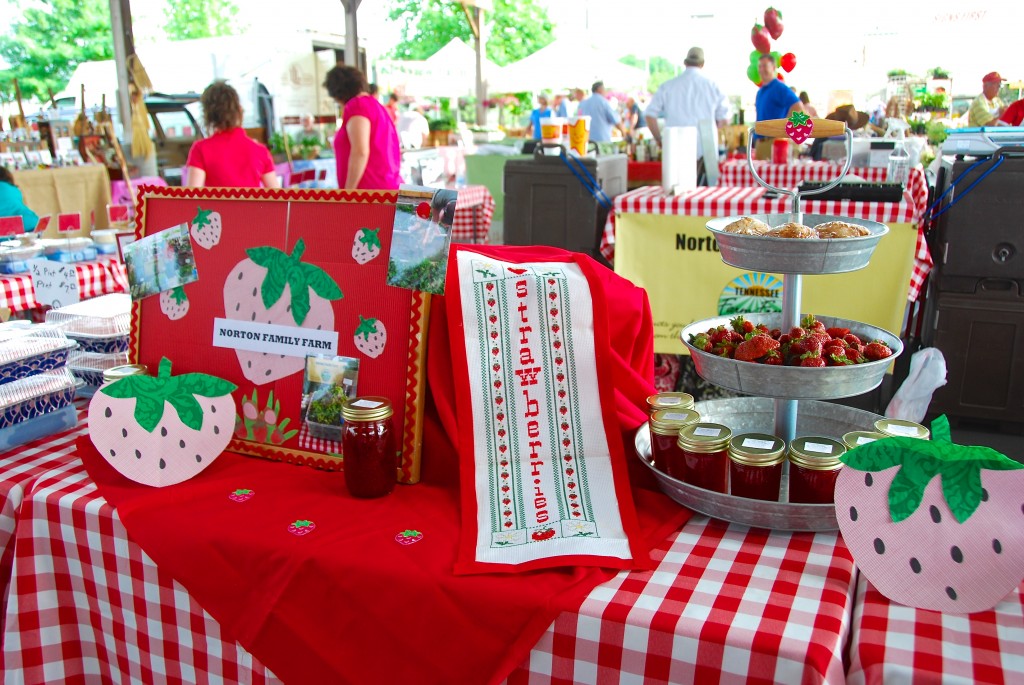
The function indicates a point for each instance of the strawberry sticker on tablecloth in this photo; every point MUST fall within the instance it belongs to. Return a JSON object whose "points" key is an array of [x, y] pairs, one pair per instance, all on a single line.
{"points": [[365, 245], [241, 495], [301, 527], [370, 337], [408, 537], [206, 228], [799, 127]]}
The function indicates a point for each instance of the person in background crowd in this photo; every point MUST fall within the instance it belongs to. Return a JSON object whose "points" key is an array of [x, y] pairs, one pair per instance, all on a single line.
{"points": [[227, 157], [413, 128], [558, 105], [366, 148], [575, 98], [1013, 115], [392, 107], [12, 203], [808, 107], [633, 118], [774, 100], [688, 99], [987, 107], [602, 117], [373, 90], [542, 110], [310, 129]]}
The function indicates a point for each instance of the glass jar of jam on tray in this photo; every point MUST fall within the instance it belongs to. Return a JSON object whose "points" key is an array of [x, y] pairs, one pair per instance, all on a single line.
{"points": [[368, 447], [755, 466], [814, 466], [705, 451], [665, 425]]}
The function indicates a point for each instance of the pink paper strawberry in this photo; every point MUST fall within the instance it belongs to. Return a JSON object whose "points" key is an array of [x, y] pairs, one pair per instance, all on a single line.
{"points": [[370, 337], [206, 228], [174, 303], [408, 537], [933, 524], [161, 430], [799, 127], [365, 245], [301, 527], [273, 287], [241, 495]]}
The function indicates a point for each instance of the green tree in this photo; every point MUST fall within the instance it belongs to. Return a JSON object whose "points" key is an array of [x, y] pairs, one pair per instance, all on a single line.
{"points": [[200, 19], [43, 46], [659, 69], [516, 28]]}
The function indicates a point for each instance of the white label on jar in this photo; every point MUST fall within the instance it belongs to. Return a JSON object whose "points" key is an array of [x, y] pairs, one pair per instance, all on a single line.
{"points": [[818, 447], [366, 404], [908, 431], [758, 444], [668, 401], [864, 440], [708, 432], [675, 416]]}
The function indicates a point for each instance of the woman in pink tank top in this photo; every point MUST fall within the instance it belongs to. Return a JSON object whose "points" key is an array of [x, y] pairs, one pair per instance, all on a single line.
{"points": [[366, 147]]}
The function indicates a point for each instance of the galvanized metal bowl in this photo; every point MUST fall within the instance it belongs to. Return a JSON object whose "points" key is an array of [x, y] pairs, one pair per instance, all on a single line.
{"points": [[792, 382], [794, 255], [756, 415]]}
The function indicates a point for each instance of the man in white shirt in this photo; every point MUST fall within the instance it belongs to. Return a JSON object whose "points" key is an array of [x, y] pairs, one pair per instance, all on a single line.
{"points": [[687, 99], [413, 129]]}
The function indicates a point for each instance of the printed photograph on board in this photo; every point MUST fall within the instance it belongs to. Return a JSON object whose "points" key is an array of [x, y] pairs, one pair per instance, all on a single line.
{"points": [[162, 261], [421, 238]]}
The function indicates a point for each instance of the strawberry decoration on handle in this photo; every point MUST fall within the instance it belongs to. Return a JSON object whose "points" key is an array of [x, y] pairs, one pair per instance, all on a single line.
{"points": [[952, 543], [131, 426], [799, 127]]}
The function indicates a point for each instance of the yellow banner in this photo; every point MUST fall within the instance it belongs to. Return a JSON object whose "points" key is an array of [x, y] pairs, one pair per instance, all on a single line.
{"points": [[676, 259]]}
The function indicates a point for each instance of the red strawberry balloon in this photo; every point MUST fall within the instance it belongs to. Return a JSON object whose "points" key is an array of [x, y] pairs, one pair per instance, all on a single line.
{"points": [[760, 38], [788, 62], [773, 22]]}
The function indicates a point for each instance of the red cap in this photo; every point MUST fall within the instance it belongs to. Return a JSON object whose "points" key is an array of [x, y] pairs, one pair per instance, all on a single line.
{"points": [[992, 76]]}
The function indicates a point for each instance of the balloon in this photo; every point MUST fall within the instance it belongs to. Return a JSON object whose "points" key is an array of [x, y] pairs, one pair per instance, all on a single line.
{"points": [[754, 57], [777, 56], [788, 61], [753, 75], [779, 76]]}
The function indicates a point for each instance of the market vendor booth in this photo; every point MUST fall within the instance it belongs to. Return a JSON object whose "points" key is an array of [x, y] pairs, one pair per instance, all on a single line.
{"points": [[64, 190]]}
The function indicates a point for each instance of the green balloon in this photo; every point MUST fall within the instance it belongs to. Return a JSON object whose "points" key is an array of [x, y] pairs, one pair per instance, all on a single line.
{"points": [[777, 57], [752, 74], [754, 57]]}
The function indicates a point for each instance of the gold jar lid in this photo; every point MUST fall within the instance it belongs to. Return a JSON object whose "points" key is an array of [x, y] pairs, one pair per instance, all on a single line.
{"points": [[704, 437], [665, 400], [816, 453], [123, 371], [898, 428], [858, 438], [669, 421], [757, 449], [366, 409]]}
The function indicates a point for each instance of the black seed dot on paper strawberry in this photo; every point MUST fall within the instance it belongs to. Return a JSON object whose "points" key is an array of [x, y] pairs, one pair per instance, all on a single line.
{"points": [[933, 524]]}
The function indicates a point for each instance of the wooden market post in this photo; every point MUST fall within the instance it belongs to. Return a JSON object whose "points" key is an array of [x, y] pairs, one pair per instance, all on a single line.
{"points": [[474, 10]]}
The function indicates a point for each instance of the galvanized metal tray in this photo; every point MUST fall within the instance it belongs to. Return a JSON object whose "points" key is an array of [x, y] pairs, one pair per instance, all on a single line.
{"points": [[756, 415], [794, 255], [793, 382]]}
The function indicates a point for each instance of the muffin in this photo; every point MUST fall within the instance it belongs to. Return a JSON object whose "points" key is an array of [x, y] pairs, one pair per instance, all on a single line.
{"points": [[747, 226], [792, 230], [840, 229]]}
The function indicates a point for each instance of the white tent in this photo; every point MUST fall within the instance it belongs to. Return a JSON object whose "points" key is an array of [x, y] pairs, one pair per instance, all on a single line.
{"points": [[567, 64], [451, 71]]}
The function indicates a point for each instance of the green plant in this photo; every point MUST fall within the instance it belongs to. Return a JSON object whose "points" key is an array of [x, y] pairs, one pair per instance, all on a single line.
{"points": [[930, 102], [325, 409], [918, 128], [896, 72], [442, 123], [936, 132], [938, 72]]}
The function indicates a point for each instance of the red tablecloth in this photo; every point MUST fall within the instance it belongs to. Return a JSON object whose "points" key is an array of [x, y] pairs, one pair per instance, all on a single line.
{"points": [[96, 278], [473, 214]]}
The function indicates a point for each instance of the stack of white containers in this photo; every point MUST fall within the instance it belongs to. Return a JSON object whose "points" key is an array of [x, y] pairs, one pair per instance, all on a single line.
{"points": [[100, 327]]}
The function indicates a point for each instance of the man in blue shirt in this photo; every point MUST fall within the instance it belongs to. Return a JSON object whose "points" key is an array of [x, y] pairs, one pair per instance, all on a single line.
{"points": [[602, 116], [533, 128], [774, 101]]}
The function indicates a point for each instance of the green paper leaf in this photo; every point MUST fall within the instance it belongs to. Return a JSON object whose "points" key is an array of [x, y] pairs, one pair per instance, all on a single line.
{"points": [[300, 299], [128, 387], [148, 412], [997, 462], [322, 284], [204, 385], [799, 118], [178, 295], [905, 494], [285, 437], [874, 456], [940, 429], [961, 486], [202, 218], [369, 237], [164, 368], [189, 411], [265, 256], [366, 327]]}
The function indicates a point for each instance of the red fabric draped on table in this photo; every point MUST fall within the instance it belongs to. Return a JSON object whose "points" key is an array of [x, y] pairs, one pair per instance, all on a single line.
{"points": [[347, 603]]}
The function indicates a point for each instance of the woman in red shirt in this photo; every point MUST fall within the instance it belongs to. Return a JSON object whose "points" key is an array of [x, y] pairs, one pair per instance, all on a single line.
{"points": [[228, 157], [366, 147]]}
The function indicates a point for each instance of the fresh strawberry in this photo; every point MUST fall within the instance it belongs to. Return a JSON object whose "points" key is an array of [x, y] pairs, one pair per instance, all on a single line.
{"points": [[161, 430], [775, 333], [796, 332], [701, 341], [773, 22], [365, 245], [741, 325], [924, 517], [836, 359], [763, 329], [725, 349], [855, 355], [852, 340], [799, 127], [370, 337], [241, 495], [754, 348], [273, 287], [812, 359], [761, 39], [408, 537], [837, 332], [174, 303], [206, 228], [736, 337], [811, 324], [719, 334], [301, 527], [773, 358], [876, 349]]}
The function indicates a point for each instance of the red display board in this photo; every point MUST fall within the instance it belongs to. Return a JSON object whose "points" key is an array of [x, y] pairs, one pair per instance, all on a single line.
{"points": [[282, 274]]}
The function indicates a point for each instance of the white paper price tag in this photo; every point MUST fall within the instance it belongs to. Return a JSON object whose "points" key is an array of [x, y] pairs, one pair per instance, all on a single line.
{"points": [[757, 444], [906, 431], [818, 447], [708, 432], [864, 440], [365, 404]]}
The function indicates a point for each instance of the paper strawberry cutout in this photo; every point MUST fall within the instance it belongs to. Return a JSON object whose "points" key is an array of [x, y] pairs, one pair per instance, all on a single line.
{"points": [[301, 527], [799, 127], [370, 337], [272, 286], [206, 228], [241, 495], [408, 537], [933, 524], [365, 245], [165, 429], [174, 303]]}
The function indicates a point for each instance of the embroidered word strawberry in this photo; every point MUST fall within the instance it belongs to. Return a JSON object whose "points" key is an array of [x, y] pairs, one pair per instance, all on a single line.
{"points": [[273, 287], [365, 245], [933, 524], [408, 537], [799, 127], [206, 228], [773, 22], [761, 39], [174, 303], [161, 430], [241, 495], [301, 527], [370, 337]]}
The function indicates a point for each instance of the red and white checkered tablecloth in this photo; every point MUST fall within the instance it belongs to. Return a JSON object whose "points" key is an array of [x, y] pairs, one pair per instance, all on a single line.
{"points": [[473, 212], [724, 201], [100, 277], [891, 643]]}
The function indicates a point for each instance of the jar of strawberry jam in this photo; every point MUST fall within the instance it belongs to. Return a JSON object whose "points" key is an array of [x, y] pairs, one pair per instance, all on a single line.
{"points": [[368, 447], [857, 438], [755, 466], [705, 449], [813, 468], [898, 428], [669, 400], [665, 425]]}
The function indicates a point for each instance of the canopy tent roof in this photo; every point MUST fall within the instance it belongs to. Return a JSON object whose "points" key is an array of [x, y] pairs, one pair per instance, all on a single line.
{"points": [[451, 71], [567, 64]]}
